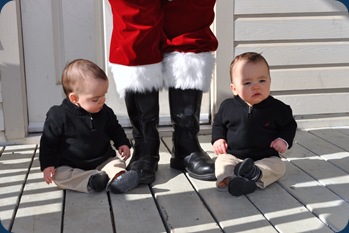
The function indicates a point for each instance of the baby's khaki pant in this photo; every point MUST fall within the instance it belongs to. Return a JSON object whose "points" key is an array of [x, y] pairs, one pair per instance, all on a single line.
{"points": [[273, 168], [77, 179]]}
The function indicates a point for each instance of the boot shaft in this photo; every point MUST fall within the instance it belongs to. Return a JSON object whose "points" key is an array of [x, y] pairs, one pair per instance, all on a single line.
{"points": [[185, 108], [143, 111]]}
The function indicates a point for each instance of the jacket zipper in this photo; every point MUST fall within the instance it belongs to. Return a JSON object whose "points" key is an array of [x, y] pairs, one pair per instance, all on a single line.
{"points": [[92, 124], [249, 115]]}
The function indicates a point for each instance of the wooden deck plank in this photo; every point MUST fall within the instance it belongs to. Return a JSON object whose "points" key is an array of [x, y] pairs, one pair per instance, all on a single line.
{"points": [[180, 206], [334, 136], [316, 144], [286, 213], [326, 173], [136, 212], [312, 197], [40, 209], [14, 164], [322, 202], [338, 137], [87, 213], [234, 214], [312, 221]]}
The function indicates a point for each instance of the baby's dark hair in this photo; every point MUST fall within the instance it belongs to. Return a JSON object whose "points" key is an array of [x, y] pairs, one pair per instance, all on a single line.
{"points": [[75, 72], [249, 57]]}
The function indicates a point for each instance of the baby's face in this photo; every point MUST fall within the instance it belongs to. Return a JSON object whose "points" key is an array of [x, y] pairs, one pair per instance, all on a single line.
{"points": [[251, 81], [92, 96]]}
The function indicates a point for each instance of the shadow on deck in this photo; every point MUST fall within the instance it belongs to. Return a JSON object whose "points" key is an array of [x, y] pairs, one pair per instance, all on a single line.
{"points": [[312, 197]]}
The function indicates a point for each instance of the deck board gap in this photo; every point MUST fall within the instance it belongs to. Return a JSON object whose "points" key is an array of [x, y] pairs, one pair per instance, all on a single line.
{"points": [[158, 208], [112, 217], [205, 203], [63, 211], [18, 202]]}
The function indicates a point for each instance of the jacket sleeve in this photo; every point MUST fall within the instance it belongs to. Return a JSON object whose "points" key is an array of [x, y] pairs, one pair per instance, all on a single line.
{"points": [[287, 126], [49, 142], [219, 129], [116, 131]]}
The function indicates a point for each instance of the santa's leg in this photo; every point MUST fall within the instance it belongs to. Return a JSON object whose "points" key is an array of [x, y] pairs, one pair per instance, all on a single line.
{"points": [[136, 63], [188, 65]]}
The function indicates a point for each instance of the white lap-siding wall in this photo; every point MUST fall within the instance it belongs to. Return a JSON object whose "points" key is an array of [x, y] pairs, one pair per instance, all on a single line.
{"points": [[306, 44]]}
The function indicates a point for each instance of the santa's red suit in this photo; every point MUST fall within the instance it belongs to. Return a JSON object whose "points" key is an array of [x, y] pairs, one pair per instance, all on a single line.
{"points": [[159, 44]]}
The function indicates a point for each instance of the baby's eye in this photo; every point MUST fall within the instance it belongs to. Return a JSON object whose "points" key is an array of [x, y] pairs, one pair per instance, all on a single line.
{"points": [[246, 83], [94, 100]]}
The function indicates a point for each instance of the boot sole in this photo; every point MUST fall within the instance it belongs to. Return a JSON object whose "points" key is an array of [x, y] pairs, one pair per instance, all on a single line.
{"points": [[148, 180], [181, 166], [239, 186], [206, 177]]}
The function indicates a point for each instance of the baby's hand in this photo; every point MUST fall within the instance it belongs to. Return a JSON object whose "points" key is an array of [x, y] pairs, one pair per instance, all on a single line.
{"points": [[279, 145], [124, 151], [220, 147], [49, 173]]}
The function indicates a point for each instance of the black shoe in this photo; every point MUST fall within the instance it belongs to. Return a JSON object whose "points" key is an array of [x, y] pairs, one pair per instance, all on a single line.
{"points": [[125, 182], [248, 169], [199, 165], [146, 169], [240, 186], [98, 182]]}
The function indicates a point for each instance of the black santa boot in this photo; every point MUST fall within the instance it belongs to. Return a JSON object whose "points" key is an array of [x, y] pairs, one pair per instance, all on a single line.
{"points": [[187, 153], [143, 111]]}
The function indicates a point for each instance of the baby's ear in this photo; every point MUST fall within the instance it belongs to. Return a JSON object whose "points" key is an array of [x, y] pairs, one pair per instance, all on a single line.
{"points": [[73, 97], [232, 88]]}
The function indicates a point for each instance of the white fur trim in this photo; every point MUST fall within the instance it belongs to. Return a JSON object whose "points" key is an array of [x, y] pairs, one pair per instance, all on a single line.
{"points": [[137, 78], [188, 70]]}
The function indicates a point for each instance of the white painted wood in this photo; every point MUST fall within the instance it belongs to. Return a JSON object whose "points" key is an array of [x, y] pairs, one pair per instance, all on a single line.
{"points": [[340, 139], [287, 214], [334, 136], [288, 182], [136, 212], [72, 29], [339, 159], [12, 72], [307, 104], [303, 42], [292, 28], [2, 127], [86, 213], [180, 205], [40, 209], [224, 31], [315, 144], [344, 130], [326, 173], [234, 214], [243, 7], [14, 164], [322, 122], [305, 200], [43, 89], [309, 78], [300, 54], [330, 208]]}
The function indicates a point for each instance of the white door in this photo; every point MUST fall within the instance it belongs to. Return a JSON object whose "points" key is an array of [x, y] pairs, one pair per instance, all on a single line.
{"points": [[58, 31]]}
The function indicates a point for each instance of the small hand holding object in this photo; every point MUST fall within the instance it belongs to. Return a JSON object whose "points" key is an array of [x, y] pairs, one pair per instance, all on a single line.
{"points": [[49, 173], [124, 151], [279, 145], [220, 146]]}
